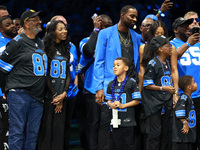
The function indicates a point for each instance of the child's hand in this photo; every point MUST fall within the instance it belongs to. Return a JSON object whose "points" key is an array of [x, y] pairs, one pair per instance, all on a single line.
{"points": [[59, 107], [185, 128], [118, 104], [169, 89], [112, 105]]}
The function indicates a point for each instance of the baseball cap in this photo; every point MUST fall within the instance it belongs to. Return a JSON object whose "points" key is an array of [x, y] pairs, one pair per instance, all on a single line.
{"points": [[158, 42], [28, 14], [154, 17], [179, 21]]}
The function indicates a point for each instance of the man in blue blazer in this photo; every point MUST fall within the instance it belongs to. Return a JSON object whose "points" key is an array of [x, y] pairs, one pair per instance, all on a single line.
{"points": [[116, 41]]}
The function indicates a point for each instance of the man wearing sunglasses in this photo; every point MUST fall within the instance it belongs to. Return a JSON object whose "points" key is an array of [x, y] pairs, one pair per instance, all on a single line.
{"points": [[144, 28], [194, 16]]}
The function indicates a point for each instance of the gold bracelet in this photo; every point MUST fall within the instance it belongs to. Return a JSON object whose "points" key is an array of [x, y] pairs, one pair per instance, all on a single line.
{"points": [[176, 93]]}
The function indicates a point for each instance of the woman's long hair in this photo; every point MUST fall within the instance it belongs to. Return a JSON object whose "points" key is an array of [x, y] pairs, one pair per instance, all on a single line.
{"points": [[148, 54], [50, 42]]}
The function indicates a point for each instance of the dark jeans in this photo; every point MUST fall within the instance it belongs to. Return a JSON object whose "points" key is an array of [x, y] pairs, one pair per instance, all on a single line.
{"points": [[92, 121], [25, 115], [123, 138]]}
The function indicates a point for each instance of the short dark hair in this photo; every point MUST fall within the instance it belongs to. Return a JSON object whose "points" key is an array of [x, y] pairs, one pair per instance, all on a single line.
{"points": [[16, 19], [126, 8], [125, 60], [2, 19], [184, 81], [2, 7]]}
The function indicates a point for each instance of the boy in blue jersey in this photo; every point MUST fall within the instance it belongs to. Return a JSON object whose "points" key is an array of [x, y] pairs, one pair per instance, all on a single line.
{"points": [[122, 95], [157, 94], [184, 121]]}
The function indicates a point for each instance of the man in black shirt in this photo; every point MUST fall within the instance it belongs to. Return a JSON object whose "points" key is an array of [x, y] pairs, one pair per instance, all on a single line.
{"points": [[24, 62]]}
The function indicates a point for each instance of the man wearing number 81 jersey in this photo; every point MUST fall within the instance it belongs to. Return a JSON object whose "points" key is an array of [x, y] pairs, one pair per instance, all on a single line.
{"points": [[24, 62]]}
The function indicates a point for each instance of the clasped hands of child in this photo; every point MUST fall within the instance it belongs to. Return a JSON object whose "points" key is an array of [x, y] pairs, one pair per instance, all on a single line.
{"points": [[115, 104]]}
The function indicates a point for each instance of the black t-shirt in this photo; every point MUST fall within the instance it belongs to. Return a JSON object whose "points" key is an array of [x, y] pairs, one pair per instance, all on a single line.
{"points": [[158, 74], [184, 109], [128, 52], [25, 61], [126, 45], [130, 92], [57, 73]]}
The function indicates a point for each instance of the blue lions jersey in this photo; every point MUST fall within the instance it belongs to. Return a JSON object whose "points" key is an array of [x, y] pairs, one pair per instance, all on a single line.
{"points": [[84, 60], [189, 63], [73, 89], [82, 43], [3, 42]]}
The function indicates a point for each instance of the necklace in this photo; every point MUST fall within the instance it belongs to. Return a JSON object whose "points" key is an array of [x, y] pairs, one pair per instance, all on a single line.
{"points": [[125, 41], [121, 89], [166, 66]]}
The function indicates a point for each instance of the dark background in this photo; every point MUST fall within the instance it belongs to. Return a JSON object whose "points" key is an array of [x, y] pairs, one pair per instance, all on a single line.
{"points": [[78, 12]]}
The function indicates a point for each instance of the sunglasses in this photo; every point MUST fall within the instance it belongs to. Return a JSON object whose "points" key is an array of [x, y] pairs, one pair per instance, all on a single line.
{"points": [[196, 19], [146, 25]]}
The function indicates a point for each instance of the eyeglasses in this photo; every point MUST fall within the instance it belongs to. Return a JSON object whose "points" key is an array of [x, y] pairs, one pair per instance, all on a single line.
{"points": [[35, 20], [146, 25], [196, 19]]}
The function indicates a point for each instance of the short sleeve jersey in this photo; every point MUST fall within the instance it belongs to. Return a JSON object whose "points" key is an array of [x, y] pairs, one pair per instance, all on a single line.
{"points": [[156, 73], [25, 61], [3, 42], [130, 92], [189, 63], [89, 74], [57, 72], [184, 109]]}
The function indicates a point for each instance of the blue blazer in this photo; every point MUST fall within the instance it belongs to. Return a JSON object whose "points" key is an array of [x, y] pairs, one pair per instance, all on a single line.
{"points": [[108, 48]]}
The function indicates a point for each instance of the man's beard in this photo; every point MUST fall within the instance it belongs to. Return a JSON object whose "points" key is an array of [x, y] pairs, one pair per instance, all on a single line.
{"points": [[128, 25], [183, 37], [10, 34]]}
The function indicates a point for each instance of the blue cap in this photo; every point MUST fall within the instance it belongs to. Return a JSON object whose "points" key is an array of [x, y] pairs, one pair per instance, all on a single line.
{"points": [[154, 17]]}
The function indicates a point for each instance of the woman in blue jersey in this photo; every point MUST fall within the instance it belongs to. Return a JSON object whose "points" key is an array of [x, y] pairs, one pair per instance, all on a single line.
{"points": [[57, 46]]}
